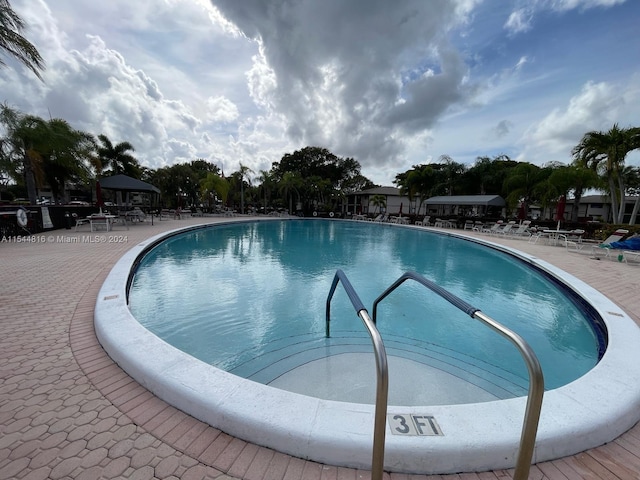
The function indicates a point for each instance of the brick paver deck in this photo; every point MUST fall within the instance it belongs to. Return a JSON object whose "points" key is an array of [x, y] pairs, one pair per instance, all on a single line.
{"points": [[68, 412]]}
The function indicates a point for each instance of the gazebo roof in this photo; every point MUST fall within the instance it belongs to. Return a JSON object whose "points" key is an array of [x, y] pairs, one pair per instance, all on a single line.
{"points": [[127, 184]]}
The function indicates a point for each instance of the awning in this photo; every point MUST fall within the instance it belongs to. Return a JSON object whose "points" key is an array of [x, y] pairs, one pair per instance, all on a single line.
{"points": [[472, 200], [127, 184]]}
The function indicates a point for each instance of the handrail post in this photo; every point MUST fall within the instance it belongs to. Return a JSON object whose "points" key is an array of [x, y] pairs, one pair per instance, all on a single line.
{"points": [[536, 378], [382, 369]]}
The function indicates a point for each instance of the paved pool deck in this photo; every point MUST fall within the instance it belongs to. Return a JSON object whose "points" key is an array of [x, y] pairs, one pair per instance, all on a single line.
{"points": [[68, 412]]}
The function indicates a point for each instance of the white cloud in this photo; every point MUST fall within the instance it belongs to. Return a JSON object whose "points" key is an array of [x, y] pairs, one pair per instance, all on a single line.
{"points": [[519, 21], [390, 84], [222, 110], [597, 107]]}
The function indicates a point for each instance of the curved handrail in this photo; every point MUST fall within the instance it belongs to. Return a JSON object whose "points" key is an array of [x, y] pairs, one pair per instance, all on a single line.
{"points": [[536, 379], [382, 385]]}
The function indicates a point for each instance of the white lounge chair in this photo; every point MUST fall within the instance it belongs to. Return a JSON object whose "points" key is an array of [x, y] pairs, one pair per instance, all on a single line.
{"points": [[605, 246], [522, 230], [494, 228], [506, 229]]}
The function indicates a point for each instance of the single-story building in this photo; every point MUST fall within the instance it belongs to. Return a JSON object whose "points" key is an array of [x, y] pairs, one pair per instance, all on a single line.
{"points": [[368, 202], [465, 205]]}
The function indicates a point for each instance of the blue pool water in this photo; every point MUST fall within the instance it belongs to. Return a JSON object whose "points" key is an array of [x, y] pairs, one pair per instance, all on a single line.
{"points": [[250, 298]]}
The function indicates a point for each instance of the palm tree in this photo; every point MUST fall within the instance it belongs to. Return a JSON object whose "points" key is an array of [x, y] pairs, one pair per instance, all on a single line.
{"points": [[289, 183], [378, 201], [524, 182], [117, 158], [23, 141], [605, 153], [574, 177], [243, 173], [14, 44], [266, 182]]}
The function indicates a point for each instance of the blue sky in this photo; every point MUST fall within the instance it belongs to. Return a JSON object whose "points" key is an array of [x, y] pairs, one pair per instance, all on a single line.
{"points": [[391, 84]]}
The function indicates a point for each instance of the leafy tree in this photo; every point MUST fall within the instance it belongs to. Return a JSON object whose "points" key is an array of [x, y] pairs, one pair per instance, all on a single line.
{"points": [[524, 183], [21, 147], [449, 175], [312, 163], [214, 183], [487, 176], [42, 152], [605, 152], [14, 44], [65, 154]]}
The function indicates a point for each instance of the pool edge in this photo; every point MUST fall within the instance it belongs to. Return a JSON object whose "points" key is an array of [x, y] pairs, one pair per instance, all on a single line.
{"points": [[341, 434]]}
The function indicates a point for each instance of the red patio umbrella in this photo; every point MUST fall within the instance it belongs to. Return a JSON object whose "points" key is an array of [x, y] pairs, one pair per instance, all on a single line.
{"points": [[562, 203], [522, 211]]}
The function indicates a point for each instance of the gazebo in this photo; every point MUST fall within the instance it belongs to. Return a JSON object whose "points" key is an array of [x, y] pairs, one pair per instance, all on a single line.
{"points": [[124, 183]]}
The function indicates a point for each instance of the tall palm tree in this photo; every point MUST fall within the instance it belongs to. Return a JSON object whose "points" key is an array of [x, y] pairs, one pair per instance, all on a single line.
{"points": [[378, 201], [290, 182], [13, 43], [524, 182], [605, 153], [116, 158], [266, 183], [244, 170]]}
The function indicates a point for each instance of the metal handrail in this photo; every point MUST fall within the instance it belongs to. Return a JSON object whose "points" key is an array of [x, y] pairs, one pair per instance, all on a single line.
{"points": [[536, 379], [382, 386]]}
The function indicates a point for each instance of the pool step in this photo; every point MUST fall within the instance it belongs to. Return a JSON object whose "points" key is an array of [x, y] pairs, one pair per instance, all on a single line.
{"points": [[287, 356]]}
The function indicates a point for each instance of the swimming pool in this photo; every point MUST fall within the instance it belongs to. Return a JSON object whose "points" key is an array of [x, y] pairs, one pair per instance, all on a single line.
{"points": [[340, 433], [249, 298]]}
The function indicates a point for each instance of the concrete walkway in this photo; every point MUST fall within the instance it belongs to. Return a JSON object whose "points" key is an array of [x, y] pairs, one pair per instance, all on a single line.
{"points": [[68, 412]]}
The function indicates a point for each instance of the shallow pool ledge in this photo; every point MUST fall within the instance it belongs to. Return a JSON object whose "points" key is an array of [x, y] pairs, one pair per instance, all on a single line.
{"points": [[593, 410]]}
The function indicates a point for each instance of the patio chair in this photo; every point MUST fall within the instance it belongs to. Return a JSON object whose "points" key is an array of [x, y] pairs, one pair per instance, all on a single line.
{"points": [[573, 239]]}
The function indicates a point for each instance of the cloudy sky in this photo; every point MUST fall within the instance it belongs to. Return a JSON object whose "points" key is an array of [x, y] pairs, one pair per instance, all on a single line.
{"points": [[391, 84]]}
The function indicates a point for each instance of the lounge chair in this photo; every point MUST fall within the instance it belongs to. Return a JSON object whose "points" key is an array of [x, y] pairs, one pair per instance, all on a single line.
{"points": [[631, 255], [522, 230], [605, 246], [383, 217], [494, 228], [424, 222], [506, 229]]}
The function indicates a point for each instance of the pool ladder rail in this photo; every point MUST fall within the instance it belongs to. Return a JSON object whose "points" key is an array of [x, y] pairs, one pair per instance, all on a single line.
{"points": [[536, 379]]}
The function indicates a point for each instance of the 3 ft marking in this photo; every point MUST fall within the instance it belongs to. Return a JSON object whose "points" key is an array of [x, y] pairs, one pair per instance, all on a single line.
{"points": [[413, 424]]}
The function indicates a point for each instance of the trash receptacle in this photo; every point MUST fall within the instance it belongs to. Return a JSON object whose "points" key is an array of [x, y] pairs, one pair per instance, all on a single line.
{"points": [[68, 220]]}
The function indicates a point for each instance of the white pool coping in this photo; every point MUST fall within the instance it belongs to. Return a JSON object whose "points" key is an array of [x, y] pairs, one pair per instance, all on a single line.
{"points": [[591, 411]]}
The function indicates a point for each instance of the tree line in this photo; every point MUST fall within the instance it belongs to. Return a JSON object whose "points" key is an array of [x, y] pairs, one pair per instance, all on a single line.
{"points": [[35, 152], [597, 162]]}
